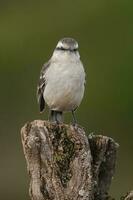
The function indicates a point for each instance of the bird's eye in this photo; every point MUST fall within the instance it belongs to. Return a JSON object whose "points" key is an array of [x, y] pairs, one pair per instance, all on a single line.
{"points": [[61, 48], [64, 49]]}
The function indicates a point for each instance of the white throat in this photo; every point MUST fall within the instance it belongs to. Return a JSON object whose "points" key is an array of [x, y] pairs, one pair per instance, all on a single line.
{"points": [[59, 55]]}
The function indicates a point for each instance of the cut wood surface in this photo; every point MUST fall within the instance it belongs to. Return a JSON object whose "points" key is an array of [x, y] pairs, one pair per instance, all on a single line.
{"points": [[65, 163]]}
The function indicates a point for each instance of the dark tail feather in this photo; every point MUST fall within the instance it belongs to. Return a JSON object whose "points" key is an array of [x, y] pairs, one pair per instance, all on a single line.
{"points": [[41, 103]]}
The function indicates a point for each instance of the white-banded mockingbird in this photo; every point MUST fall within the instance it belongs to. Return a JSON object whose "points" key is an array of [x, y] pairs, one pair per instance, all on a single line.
{"points": [[62, 79]]}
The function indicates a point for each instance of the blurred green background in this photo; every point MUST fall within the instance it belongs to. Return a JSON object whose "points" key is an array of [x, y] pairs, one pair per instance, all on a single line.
{"points": [[29, 31]]}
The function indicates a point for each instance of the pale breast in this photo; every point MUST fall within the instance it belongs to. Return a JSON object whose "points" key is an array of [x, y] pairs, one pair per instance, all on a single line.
{"points": [[64, 85]]}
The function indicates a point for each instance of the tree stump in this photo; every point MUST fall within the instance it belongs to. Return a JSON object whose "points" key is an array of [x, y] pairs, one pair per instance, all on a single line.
{"points": [[66, 164], [128, 196]]}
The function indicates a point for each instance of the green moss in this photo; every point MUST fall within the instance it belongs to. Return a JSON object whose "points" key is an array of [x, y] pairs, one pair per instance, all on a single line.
{"points": [[63, 153]]}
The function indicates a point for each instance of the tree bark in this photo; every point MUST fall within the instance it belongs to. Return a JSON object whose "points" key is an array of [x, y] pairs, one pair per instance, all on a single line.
{"points": [[129, 196], [66, 164]]}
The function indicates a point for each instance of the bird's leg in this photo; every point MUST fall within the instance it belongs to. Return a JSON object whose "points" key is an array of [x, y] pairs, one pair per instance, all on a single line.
{"points": [[74, 118], [55, 116], [52, 116], [58, 116]]}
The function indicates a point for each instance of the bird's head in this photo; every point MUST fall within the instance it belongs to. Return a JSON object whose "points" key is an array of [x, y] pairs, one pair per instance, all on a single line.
{"points": [[66, 47], [67, 44]]}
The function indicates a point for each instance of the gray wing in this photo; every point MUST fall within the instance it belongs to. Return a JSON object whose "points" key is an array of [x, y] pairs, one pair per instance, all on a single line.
{"points": [[41, 86]]}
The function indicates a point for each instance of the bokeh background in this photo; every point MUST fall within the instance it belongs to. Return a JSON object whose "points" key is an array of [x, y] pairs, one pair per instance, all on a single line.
{"points": [[29, 31]]}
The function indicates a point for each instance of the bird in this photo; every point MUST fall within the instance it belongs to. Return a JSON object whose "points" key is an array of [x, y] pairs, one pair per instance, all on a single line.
{"points": [[62, 81]]}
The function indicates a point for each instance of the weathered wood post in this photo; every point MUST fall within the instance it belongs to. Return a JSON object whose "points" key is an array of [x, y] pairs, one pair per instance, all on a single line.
{"points": [[66, 164]]}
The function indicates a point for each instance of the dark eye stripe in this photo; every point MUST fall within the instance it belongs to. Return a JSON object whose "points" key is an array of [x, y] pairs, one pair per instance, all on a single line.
{"points": [[63, 49]]}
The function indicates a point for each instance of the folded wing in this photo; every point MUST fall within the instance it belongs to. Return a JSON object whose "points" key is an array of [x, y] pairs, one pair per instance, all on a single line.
{"points": [[41, 86]]}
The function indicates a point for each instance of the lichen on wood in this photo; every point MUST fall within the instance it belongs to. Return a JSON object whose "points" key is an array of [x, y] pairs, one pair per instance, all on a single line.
{"points": [[63, 154], [128, 196], [65, 164]]}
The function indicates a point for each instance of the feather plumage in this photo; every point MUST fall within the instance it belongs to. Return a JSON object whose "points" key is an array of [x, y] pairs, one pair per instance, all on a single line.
{"points": [[41, 86]]}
